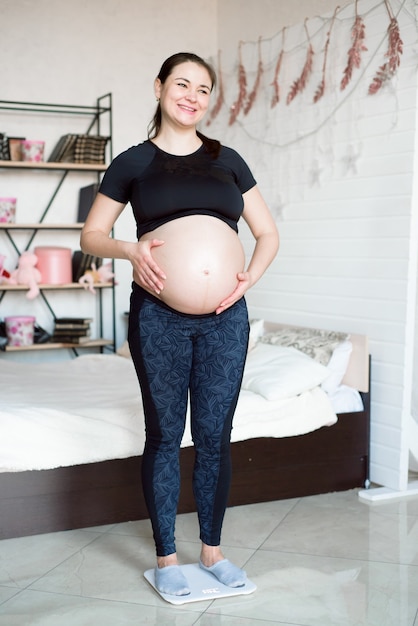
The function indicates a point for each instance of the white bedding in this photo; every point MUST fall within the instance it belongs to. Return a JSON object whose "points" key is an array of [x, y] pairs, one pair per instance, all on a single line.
{"points": [[88, 409]]}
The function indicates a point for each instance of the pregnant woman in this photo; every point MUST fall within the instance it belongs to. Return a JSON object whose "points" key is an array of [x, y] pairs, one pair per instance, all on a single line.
{"points": [[188, 321]]}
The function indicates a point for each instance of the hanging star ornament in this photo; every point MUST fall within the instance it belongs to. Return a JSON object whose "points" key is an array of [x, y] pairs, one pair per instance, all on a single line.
{"points": [[316, 174], [350, 160], [278, 209]]}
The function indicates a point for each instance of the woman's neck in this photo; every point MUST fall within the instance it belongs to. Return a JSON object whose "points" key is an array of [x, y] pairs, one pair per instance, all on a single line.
{"points": [[180, 143]]}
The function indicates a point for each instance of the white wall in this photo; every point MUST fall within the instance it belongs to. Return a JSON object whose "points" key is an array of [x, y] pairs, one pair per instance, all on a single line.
{"points": [[339, 175], [72, 52]]}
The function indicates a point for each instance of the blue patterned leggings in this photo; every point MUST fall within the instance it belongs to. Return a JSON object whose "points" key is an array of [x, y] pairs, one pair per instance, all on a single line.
{"points": [[176, 355]]}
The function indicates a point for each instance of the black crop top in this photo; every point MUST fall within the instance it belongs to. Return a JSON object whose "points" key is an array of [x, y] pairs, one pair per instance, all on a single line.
{"points": [[162, 187]]}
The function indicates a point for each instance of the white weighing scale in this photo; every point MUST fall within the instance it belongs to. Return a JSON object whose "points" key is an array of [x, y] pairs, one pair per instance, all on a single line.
{"points": [[203, 586]]}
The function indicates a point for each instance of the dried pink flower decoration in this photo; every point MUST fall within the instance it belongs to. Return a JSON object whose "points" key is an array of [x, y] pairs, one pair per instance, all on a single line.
{"points": [[395, 49], [275, 84], [252, 96], [242, 93], [220, 100], [321, 87], [300, 83], [358, 36]]}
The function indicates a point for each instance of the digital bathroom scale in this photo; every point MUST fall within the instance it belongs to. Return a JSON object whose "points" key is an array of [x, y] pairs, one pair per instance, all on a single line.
{"points": [[203, 586]]}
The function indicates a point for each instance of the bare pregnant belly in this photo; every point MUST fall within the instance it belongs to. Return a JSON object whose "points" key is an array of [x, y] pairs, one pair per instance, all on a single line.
{"points": [[201, 258]]}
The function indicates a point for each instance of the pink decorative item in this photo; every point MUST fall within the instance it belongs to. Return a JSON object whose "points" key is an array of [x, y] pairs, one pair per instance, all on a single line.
{"points": [[4, 274], [96, 276], [26, 274], [32, 150], [54, 264], [19, 330], [7, 210]]}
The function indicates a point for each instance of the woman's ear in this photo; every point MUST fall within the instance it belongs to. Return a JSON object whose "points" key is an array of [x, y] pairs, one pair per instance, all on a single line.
{"points": [[157, 88]]}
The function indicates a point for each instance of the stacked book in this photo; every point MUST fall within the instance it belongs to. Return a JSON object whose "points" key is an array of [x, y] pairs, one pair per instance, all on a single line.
{"points": [[72, 330], [79, 149], [82, 262]]}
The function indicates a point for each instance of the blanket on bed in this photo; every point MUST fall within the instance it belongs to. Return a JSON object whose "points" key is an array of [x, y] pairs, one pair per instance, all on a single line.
{"points": [[89, 409]]}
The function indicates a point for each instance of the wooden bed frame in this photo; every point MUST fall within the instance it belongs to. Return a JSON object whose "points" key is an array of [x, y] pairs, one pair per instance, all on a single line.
{"points": [[329, 459]]}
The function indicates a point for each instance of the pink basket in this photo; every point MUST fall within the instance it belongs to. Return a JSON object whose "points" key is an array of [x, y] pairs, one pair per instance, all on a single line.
{"points": [[19, 330]]}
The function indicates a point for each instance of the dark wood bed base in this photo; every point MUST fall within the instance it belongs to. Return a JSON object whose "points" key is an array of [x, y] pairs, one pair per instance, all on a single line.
{"points": [[330, 459]]}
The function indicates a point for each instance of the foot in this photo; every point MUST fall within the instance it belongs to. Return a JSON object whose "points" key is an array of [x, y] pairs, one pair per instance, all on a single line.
{"points": [[171, 580], [226, 573]]}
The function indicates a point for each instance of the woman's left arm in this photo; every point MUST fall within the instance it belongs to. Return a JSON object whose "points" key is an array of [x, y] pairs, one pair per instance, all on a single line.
{"points": [[261, 223]]}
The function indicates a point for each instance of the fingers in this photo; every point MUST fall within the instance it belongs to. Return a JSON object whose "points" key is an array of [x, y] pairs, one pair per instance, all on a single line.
{"points": [[239, 291], [146, 271]]}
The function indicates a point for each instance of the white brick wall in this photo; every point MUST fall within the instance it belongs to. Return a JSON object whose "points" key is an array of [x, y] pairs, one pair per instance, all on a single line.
{"points": [[347, 255]]}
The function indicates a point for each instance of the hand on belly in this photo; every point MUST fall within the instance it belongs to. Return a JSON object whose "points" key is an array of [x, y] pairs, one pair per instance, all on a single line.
{"points": [[201, 258]]}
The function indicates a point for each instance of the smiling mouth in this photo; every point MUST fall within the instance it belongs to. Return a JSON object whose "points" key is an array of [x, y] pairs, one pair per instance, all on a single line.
{"points": [[187, 108]]}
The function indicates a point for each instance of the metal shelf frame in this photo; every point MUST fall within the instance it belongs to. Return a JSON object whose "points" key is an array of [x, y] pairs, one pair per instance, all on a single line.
{"points": [[100, 122]]}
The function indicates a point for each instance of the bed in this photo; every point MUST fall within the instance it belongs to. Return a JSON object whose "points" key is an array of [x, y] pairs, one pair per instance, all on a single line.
{"points": [[71, 432]]}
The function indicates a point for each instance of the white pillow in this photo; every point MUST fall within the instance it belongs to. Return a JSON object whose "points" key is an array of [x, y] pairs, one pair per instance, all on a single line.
{"points": [[256, 330], [337, 366], [124, 351], [277, 372], [318, 344]]}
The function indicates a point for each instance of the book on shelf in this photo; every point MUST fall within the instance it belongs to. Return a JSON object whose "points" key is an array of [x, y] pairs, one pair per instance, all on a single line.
{"points": [[70, 339], [71, 326], [90, 149], [73, 320], [64, 149], [86, 198], [72, 332], [4, 147], [82, 262], [72, 148]]}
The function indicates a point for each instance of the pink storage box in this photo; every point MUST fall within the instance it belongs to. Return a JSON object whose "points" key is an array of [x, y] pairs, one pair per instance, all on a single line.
{"points": [[8, 210], [32, 150], [19, 330], [54, 264]]}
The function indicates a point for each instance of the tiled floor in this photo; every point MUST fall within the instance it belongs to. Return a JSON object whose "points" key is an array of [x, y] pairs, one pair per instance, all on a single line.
{"points": [[316, 561]]}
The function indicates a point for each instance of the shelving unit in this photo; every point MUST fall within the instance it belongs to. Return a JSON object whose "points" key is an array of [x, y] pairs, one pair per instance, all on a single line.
{"points": [[97, 115]]}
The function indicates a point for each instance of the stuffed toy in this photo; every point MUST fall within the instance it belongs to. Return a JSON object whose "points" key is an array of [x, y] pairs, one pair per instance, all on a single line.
{"points": [[27, 274], [3, 272], [94, 276]]}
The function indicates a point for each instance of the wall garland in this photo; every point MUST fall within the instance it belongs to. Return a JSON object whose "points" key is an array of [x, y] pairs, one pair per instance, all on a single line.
{"points": [[245, 100], [303, 127]]}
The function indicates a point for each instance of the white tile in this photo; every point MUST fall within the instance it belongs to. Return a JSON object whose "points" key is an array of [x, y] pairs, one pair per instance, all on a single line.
{"points": [[139, 528], [246, 526], [322, 591], [112, 569], [324, 560], [25, 559], [210, 619], [340, 525], [250, 525], [6, 593], [31, 608]]}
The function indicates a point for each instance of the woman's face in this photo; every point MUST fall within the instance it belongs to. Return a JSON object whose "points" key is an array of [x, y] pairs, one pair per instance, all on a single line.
{"points": [[185, 95]]}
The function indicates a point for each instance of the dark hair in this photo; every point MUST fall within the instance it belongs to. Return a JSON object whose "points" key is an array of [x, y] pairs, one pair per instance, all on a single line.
{"points": [[212, 145]]}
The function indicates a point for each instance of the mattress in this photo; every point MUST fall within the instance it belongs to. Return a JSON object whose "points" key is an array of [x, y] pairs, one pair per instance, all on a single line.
{"points": [[89, 409]]}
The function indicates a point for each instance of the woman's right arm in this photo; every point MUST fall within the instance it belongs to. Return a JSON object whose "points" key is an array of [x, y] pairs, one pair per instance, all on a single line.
{"points": [[95, 239]]}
